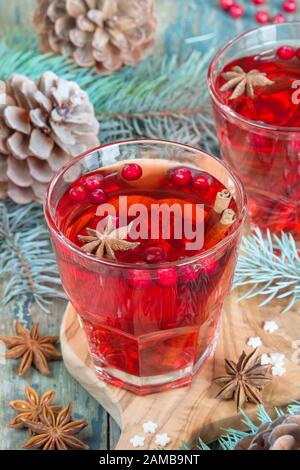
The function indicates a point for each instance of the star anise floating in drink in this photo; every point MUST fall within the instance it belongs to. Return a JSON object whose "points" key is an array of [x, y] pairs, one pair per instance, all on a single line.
{"points": [[31, 348], [240, 81], [244, 380], [104, 244], [32, 408], [56, 432]]}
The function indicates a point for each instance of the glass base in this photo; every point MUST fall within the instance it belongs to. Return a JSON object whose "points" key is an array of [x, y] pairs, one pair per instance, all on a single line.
{"points": [[157, 383]]}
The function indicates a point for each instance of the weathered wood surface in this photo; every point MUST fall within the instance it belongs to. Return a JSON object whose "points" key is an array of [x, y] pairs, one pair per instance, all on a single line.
{"points": [[187, 413], [102, 433]]}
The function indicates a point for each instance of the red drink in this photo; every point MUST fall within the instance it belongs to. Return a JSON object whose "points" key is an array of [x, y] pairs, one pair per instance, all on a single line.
{"points": [[152, 313], [259, 132]]}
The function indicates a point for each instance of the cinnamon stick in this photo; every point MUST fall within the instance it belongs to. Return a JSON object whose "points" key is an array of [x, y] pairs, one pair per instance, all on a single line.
{"points": [[219, 230], [222, 201], [221, 204]]}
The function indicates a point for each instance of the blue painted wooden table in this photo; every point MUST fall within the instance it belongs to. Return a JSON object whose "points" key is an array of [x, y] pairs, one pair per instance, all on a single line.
{"points": [[102, 432]]}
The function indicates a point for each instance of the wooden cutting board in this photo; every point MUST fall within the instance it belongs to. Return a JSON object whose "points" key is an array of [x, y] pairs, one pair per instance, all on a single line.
{"points": [[187, 413]]}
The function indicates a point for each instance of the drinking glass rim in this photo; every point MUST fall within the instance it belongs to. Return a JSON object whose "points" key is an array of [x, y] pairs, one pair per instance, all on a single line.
{"points": [[50, 218], [214, 94]]}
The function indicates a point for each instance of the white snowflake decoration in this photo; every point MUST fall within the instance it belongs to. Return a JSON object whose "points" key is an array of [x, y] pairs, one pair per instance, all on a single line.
{"points": [[137, 441], [162, 439], [150, 427], [254, 342], [277, 358], [278, 371], [270, 326], [265, 359]]}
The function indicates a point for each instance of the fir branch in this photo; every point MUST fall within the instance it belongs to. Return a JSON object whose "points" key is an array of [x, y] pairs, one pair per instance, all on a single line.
{"points": [[233, 436], [155, 114], [157, 84], [177, 128], [229, 440], [163, 97], [270, 267], [27, 261]]}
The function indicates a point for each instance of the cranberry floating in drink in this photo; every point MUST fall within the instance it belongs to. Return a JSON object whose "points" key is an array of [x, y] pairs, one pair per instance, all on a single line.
{"points": [[146, 236], [255, 86]]}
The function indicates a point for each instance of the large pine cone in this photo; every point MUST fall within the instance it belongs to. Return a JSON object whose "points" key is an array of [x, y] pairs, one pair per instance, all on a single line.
{"points": [[42, 126], [281, 434], [103, 33]]}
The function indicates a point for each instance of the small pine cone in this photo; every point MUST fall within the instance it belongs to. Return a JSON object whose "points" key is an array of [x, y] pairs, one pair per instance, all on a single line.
{"points": [[106, 34], [42, 126], [281, 434]]}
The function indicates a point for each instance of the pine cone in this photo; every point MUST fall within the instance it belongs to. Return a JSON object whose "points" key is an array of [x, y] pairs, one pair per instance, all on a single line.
{"points": [[103, 33], [42, 126], [281, 434]]}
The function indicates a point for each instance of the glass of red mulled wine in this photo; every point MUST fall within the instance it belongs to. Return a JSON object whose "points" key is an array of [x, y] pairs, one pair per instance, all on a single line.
{"points": [[259, 127], [151, 307]]}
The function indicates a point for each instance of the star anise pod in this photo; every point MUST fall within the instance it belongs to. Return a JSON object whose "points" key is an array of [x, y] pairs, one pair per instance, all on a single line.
{"points": [[244, 380], [104, 244], [32, 408], [241, 81], [56, 432], [31, 348]]}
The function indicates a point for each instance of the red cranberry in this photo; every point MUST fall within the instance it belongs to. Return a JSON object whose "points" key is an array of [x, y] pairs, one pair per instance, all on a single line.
{"points": [[289, 6], [226, 4], [211, 268], [279, 18], [154, 255], [139, 278], [78, 194], [258, 2], [286, 52], [298, 53], [92, 182], [167, 277], [98, 196], [236, 11], [202, 182], [132, 172], [181, 176], [262, 17]]}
